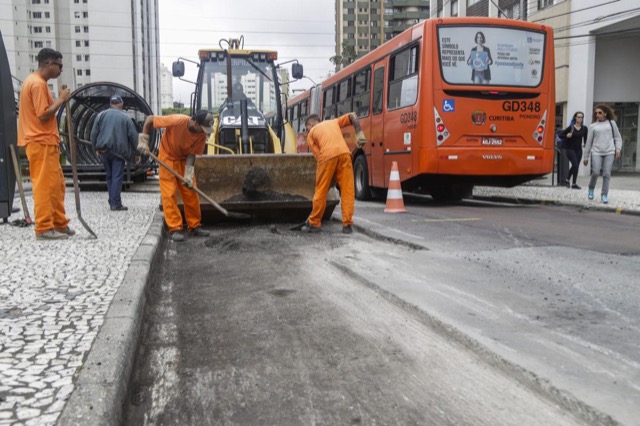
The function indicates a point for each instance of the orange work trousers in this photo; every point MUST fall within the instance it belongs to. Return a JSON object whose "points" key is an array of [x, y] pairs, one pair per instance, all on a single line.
{"points": [[341, 168], [47, 188], [169, 188]]}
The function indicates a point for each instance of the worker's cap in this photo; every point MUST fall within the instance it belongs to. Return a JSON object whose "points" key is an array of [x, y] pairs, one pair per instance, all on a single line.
{"points": [[204, 119], [115, 99]]}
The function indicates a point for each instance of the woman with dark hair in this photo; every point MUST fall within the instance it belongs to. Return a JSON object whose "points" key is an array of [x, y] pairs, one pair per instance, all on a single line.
{"points": [[603, 143], [575, 136], [479, 60]]}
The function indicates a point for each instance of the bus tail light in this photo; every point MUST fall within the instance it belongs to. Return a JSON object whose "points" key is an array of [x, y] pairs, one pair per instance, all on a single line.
{"points": [[538, 135], [442, 133]]}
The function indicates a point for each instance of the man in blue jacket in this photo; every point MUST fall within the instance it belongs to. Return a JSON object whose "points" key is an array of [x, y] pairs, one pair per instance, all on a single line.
{"points": [[115, 139]]}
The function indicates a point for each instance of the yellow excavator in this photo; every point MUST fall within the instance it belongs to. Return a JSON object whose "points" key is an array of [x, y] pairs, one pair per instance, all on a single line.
{"points": [[250, 165]]}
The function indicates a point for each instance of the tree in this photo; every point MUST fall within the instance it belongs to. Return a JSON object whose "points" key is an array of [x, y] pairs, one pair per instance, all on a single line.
{"points": [[348, 56]]}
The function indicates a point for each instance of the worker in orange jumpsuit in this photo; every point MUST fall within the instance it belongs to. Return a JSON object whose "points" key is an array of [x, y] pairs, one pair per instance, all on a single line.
{"points": [[184, 136], [334, 162], [38, 131]]}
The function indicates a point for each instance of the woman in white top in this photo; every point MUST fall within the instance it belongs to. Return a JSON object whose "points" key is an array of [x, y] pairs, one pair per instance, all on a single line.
{"points": [[603, 144]]}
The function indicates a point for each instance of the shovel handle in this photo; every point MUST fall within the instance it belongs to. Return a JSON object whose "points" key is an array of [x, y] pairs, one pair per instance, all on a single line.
{"points": [[202, 194]]}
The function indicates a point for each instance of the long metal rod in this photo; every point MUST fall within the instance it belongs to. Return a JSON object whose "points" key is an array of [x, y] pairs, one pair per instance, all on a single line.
{"points": [[202, 194], [74, 169], [16, 167]]}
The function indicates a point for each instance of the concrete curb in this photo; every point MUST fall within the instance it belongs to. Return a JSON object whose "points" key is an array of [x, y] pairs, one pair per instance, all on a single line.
{"points": [[101, 386]]}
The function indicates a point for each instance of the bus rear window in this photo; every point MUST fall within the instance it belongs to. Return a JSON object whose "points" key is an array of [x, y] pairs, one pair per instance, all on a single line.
{"points": [[491, 55]]}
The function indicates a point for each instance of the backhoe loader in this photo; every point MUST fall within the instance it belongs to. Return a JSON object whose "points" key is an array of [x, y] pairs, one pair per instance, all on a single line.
{"points": [[250, 164]]}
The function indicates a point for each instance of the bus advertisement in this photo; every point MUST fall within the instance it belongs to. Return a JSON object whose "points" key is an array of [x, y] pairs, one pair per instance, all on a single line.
{"points": [[456, 102]]}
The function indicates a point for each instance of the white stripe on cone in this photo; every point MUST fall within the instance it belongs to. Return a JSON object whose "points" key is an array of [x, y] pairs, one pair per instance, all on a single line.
{"points": [[395, 204]]}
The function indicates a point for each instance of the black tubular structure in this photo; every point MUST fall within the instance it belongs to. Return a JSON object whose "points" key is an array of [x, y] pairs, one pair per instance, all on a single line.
{"points": [[85, 104]]}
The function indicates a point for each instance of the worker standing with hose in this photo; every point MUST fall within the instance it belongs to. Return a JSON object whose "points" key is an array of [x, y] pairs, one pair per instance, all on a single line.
{"points": [[184, 136], [38, 131]]}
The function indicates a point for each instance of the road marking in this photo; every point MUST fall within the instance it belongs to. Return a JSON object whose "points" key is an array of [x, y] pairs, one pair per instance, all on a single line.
{"points": [[462, 219]]}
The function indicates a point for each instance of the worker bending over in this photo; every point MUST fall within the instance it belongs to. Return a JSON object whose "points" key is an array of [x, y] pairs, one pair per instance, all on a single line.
{"points": [[334, 162], [183, 136]]}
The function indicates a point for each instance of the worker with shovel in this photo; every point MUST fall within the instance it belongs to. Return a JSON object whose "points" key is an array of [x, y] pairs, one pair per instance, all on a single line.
{"points": [[183, 137], [334, 163], [38, 131]]}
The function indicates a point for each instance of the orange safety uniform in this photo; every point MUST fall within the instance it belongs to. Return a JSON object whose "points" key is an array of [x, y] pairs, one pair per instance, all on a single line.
{"points": [[334, 160], [176, 144], [42, 142]]}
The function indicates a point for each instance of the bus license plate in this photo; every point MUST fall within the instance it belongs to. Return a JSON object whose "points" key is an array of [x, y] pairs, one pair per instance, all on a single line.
{"points": [[491, 141]]}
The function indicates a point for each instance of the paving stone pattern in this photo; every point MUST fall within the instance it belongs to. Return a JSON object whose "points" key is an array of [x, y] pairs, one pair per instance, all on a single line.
{"points": [[53, 299]]}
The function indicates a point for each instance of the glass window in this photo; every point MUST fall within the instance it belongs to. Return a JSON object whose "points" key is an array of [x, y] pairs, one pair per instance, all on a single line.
{"points": [[378, 89], [361, 93], [344, 97], [328, 104], [403, 78]]}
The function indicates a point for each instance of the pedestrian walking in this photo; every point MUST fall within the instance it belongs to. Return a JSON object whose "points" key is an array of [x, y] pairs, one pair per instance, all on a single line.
{"points": [[603, 144], [575, 138], [184, 136], [334, 163], [38, 132], [114, 137]]}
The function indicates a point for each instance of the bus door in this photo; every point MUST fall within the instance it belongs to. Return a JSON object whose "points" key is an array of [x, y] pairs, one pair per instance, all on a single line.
{"points": [[376, 132]]}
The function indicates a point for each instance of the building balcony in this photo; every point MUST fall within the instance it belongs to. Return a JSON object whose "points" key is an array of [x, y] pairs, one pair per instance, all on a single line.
{"points": [[404, 16], [406, 3]]}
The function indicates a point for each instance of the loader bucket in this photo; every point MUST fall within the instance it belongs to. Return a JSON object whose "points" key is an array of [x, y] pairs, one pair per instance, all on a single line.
{"points": [[274, 187]]}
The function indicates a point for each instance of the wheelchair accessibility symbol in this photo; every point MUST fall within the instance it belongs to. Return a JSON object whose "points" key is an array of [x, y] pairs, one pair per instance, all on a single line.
{"points": [[448, 105]]}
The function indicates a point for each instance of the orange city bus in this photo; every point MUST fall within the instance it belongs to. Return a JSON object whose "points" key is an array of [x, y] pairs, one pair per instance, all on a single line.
{"points": [[456, 102]]}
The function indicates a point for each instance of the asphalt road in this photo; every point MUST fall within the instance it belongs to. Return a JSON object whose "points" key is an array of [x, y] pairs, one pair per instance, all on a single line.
{"points": [[503, 319]]}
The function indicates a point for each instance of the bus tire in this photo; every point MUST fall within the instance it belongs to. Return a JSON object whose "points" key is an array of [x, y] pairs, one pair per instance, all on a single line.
{"points": [[361, 178]]}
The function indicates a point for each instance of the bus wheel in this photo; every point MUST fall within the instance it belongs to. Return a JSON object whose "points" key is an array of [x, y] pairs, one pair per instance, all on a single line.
{"points": [[361, 176]]}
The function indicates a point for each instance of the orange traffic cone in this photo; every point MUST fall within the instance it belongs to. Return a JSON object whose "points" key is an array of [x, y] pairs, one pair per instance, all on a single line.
{"points": [[395, 204]]}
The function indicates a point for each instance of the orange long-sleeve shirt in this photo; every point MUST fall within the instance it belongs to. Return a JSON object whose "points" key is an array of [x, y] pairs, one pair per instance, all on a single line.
{"points": [[35, 99], [177, 141], [326, 141]]}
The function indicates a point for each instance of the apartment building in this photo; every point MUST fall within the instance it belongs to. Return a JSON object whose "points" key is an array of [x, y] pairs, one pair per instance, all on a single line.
{"points": [[364, 25], [115, 41]]}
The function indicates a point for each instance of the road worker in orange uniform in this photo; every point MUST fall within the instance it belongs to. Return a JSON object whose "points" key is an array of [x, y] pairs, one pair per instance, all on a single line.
{"points": [[184, 136], [334, 162], [38, 131]]}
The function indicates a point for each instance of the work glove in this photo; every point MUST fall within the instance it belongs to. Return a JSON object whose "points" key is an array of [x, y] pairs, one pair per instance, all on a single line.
{"points": [[188, 171], [360, 139], [143, 144]]}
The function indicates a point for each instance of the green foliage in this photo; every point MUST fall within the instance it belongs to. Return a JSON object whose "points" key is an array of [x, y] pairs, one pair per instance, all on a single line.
{"points": [[348, 56], [168, 111]]}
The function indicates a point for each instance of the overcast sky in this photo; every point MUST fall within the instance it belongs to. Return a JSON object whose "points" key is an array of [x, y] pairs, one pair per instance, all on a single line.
{"points": [[297, 29]]}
